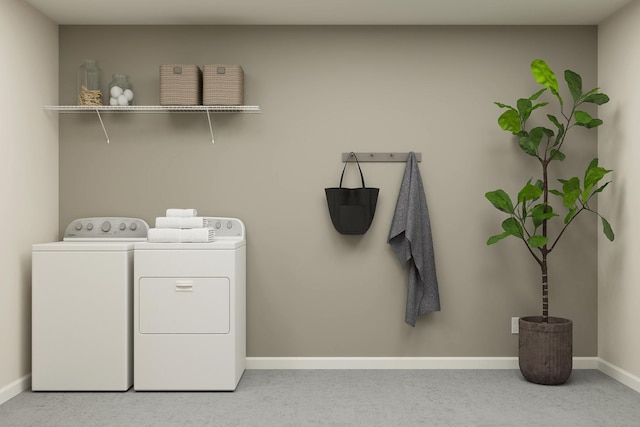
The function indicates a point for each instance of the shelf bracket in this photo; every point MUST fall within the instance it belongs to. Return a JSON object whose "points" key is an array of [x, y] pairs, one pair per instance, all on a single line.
{"points": [[210, 127], [106, 135]]}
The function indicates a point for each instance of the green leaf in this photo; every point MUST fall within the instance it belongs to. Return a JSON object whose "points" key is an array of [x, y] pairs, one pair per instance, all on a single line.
{"points": [[592, 164], [582, 117], [537, 95], [572, 212], [547, 132], [593, 123], [538, 214], [592, 176], [574, 81], [591, 92], [559, 137], [500, 201], [540, 105], [607, 230], [555, 121], [513, 227], [544, 75], [537, 241], [571, 190], [560, 127], [596, 98], [570, 198], [557, 155], [495, 239], [530, 143], [556, 193], [510, 121], [529, 192], [524, 108], [501, 105], [601, 187]]}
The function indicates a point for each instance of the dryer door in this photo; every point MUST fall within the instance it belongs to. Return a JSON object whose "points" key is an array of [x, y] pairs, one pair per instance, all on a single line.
{"points": [[170, 305]]}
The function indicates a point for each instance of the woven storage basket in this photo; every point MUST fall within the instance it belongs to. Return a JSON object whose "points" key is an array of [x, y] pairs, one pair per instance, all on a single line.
{"points": [[223, 85], [180, 84]]}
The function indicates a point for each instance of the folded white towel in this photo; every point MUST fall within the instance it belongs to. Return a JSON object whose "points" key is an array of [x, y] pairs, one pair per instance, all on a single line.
{"points": [[182, 213], [176, 235], [178, 222]]}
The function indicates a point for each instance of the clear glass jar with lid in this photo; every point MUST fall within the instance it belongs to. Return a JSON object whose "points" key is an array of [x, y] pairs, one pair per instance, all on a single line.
{"points": [[120, 91], [89, 76]]}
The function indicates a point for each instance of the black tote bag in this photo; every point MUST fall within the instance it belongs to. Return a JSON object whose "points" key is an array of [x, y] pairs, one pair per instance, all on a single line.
{"points": [[352, 209]]}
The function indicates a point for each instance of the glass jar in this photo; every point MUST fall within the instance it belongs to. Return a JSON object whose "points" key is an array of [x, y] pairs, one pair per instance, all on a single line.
{"points": [[120, 91], [89, 92]]}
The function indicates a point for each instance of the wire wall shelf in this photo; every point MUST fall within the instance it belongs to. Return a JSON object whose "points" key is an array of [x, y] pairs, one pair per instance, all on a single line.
{"points": [[154, 109]]}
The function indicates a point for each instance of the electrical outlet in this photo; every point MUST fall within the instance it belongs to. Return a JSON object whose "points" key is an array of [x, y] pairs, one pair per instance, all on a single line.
{"points": [[515, 325]]}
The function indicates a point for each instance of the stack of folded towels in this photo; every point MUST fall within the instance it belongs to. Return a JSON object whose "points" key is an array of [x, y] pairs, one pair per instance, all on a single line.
{"points": [[181, 226]]}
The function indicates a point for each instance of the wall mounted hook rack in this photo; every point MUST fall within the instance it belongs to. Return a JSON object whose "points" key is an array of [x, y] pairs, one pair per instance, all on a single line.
{"points": [[381, 157]]}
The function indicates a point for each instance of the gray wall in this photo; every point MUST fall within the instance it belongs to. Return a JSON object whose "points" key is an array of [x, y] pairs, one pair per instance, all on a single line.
{"points": [[324, 91]]}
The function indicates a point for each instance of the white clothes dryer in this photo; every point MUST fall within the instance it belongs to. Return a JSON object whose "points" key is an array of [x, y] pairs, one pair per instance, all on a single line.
{"points": [[82, 309], [190, 312]]}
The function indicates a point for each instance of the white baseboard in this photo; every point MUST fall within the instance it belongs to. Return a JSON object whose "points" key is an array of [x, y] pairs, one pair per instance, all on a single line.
{"points": [[399, 363], [585, 363], [619, 374], [15, 388]]}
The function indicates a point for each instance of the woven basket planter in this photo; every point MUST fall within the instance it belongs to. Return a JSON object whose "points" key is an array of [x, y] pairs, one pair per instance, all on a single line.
{"points": [[545, 349]]}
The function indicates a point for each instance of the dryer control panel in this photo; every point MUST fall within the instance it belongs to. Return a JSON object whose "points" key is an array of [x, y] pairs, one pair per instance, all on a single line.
{"points": [[226, 227], [107, 228]]}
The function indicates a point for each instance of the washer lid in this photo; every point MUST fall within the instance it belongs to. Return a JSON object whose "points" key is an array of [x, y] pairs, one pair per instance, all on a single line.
{"points": [[83, 247], [220, 244]]}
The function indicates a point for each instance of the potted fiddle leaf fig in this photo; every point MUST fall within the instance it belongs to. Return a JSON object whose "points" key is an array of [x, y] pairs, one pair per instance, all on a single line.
{"points": [[545, 342]]}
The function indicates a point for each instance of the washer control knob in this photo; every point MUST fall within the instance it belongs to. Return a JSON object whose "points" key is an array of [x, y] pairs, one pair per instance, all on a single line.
{"points": [[123, 226], [218, 225], [106, 226], [133, 226], [229, 225], [78, 226], [90, 226]]}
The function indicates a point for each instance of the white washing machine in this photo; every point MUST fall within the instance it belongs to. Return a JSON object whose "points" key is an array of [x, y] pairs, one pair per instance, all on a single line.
{"points": [[82, 309], [190, 312]]}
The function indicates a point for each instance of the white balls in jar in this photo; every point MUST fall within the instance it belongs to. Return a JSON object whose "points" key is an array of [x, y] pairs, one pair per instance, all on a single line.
{"points": [[129, 94], [120, 97], [116, 91]]}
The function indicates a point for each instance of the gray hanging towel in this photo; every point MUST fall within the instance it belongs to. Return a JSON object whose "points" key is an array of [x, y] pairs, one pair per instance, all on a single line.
{"points": [[410, 238]]}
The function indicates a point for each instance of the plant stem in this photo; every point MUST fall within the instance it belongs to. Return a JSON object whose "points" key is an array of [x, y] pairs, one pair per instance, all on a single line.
{"points": [[545, 191], [565, 227], [545, 290], [544, 249]]}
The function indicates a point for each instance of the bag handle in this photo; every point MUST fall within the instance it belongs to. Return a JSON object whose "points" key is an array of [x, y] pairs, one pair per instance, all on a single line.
{"points": [[345, 167]]}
